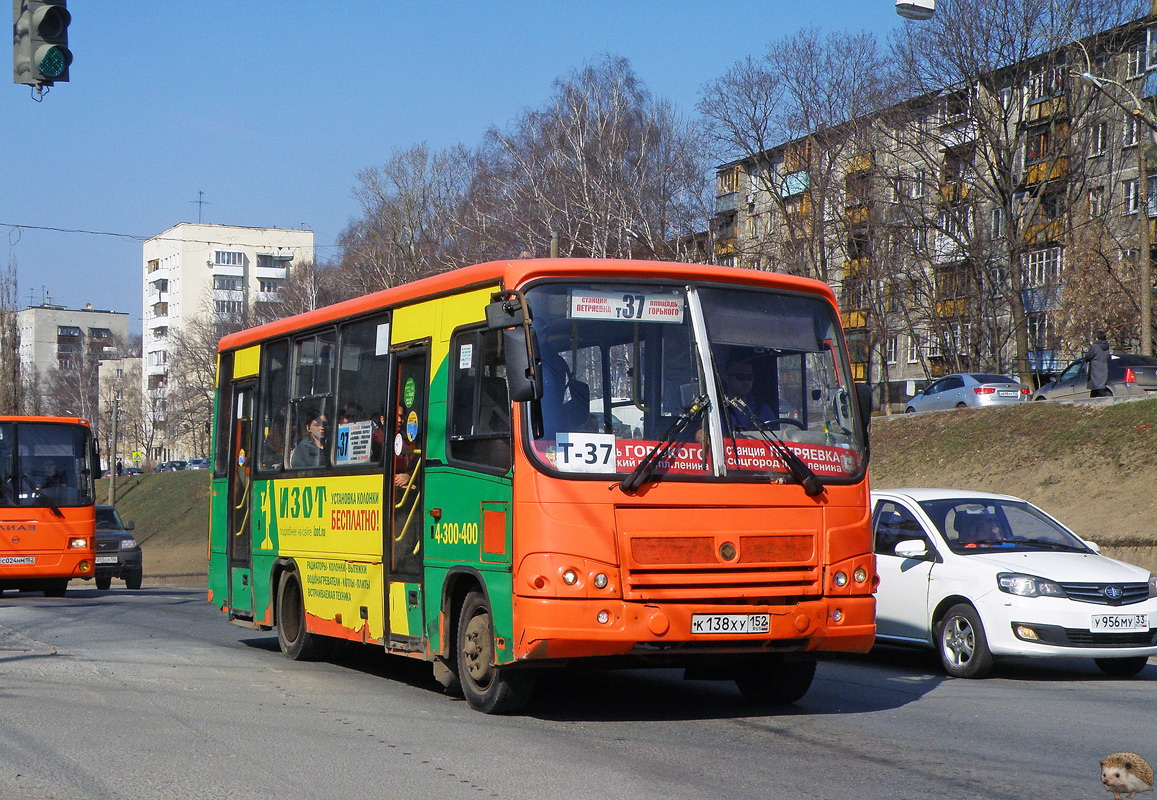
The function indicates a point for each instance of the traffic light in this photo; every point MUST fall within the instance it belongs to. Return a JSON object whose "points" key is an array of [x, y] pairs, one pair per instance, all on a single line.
{"points": [[40, 54]]}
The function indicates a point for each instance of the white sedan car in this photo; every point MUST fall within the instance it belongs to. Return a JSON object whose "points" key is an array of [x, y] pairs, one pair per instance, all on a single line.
{"points": [[979, 575]]}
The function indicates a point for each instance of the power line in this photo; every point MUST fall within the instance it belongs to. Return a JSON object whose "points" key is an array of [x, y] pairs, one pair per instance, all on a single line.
{"points": [[135, 238]]}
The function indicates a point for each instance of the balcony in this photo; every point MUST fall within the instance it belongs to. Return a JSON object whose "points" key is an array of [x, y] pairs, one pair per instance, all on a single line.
{"points": [[951, 307], [157, 297], [280, 272], [862, 162], [725, 247], [795, 183], [857, 214], [953, 192], [855, 266], [1046, 109], [1049, 169], [723, 204], [268, 297], [1043, 232], [854, 319]]}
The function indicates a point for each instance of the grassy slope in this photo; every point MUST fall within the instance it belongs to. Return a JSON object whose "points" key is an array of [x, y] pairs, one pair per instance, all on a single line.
{"points": [[171, 512], [1094, 466]]}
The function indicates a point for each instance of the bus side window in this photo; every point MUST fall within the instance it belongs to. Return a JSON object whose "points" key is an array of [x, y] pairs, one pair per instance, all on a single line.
{"points": [[363, 375], [274, 399], [480, 401]]}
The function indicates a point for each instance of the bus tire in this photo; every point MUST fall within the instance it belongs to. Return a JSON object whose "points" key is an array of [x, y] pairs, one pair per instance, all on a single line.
{"points": [[773, 681], [486, 686], [56, 587], [103, 582], [133, 579], [293, 638]]}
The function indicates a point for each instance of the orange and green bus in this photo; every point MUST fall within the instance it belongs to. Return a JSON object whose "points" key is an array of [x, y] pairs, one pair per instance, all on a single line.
{"points": [[546, 462], [47, 503]]}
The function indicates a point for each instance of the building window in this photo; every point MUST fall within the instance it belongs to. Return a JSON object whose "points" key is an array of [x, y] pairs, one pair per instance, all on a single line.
{"points": [[1100, 139], [1136, 63], [154, 265], [1096, 201], [267, 262], [913, 348], [1131, 196], [226, 283], [753, 227], [229, 307], [1044, 266], [1132, 129], [891, 348], [997, 223], [228, 258], [269, 287]]}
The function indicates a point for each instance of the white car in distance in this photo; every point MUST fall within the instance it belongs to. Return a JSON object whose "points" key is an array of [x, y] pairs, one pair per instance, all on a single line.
{"points": [[978, 576]]}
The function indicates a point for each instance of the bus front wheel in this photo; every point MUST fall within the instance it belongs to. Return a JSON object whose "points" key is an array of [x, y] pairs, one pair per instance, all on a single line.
{"points": [[487, 687], [772, 681], [295, 641], [56, 587]]}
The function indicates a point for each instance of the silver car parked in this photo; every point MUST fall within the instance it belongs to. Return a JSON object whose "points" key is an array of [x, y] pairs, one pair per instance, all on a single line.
{"points": [[1130, 375], [967, 390]]}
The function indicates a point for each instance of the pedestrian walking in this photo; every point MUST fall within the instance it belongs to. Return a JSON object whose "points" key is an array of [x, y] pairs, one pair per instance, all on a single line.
{"points": [[1097, 358]]}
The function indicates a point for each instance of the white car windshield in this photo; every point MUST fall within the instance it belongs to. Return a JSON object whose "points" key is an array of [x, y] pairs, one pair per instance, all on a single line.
{"points": [[975, 526]]}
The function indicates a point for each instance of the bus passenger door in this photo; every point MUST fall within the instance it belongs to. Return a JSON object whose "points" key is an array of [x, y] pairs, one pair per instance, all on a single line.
{"points": [[405, 485], [240, 500]]}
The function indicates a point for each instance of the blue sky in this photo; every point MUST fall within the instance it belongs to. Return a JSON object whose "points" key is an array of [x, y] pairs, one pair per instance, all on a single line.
{"points": [[271, 108]]}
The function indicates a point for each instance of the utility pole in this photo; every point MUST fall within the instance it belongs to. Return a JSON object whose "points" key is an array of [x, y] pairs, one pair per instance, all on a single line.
{"points": [[112, 455]]}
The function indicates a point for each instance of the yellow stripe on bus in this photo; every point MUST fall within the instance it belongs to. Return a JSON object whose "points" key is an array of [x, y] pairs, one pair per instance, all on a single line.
{"points": [[246, 362], [399, 617]]}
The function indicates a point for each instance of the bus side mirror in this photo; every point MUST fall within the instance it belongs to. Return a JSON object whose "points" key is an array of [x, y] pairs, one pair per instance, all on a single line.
{"points": [[509, 313], [523, 373], [864, 400]]}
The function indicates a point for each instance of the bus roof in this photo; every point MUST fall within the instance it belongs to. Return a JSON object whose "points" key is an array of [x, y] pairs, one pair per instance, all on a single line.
{"points": [[515, 273], [65, 420]]}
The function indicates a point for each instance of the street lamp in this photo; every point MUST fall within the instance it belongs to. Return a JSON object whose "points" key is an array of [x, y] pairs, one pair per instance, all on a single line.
{"points": [[1145, 257], [916, 9]]}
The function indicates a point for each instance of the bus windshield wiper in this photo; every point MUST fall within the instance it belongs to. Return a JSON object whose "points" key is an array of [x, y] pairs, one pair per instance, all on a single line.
{"points": [[40, 493], [665, 443], [800, 471]]}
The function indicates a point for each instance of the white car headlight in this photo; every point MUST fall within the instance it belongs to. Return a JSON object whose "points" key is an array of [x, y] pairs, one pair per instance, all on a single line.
{"points": [[128, 544], [1152, 585], [1027, 585]]}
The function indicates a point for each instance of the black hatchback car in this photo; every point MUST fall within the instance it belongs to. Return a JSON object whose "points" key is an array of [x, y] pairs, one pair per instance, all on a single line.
{"points": [[118, 554]]}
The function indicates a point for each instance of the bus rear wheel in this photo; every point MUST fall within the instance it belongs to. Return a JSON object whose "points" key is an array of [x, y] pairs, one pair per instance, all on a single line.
{"points": [[487, 687], [293, 638], [773, 681]]}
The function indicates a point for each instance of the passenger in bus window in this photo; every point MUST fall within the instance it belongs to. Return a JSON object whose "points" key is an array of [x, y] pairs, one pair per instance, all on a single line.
{"points": [[273, 448], [310, 448]]}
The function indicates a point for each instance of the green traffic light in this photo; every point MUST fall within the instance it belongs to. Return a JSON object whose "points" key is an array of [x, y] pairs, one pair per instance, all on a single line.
{"points": [[53, 61]]}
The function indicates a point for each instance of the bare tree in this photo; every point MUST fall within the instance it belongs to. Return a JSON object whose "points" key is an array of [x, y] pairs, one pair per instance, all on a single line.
{"points": [[994, 103], [11, 385], [603, 165]]}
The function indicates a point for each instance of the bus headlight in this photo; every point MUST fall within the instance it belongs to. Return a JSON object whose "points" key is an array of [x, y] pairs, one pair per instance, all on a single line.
{"points": [[570, 577], [841, 579], [78, 543], [600, 581], [860, 575]]}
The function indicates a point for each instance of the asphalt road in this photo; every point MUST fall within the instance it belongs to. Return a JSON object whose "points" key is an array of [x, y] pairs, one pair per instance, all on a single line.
{"points": [[152, 694]]}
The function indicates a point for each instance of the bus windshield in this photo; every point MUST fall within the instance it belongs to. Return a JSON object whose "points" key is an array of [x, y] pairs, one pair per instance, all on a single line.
{"points": [[45, 464], [622, 362]]}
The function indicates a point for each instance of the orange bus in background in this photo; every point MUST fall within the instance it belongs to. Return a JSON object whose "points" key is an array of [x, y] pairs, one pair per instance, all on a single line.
{"points": [[47, 503], [539, 463]]}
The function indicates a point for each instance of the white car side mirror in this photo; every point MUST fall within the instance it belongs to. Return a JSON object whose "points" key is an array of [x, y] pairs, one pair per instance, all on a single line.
{"points": [[911, 548]]}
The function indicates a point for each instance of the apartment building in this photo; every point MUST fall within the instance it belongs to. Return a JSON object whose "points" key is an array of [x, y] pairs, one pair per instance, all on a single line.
{"points": [[949, 225], [194, 272], [56, 341]]}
